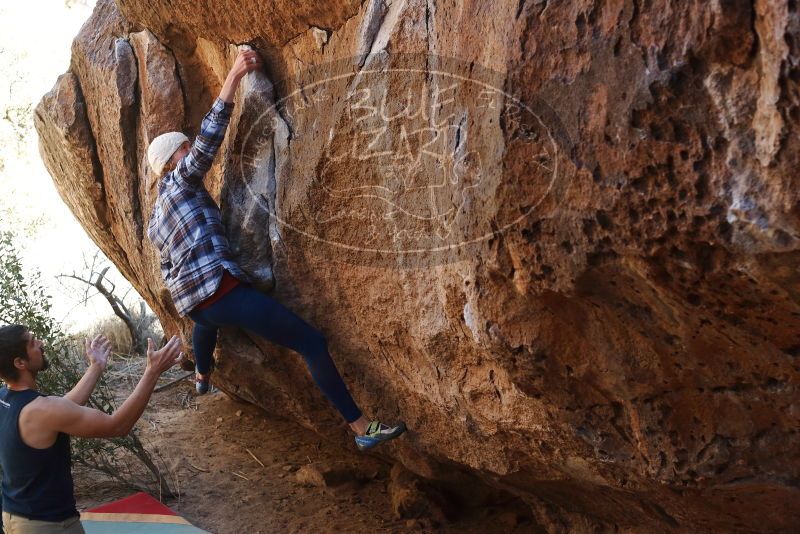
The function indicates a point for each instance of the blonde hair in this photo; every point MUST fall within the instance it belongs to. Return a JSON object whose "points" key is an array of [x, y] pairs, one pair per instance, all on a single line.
{"points": [[156, 178], [169, 167]]}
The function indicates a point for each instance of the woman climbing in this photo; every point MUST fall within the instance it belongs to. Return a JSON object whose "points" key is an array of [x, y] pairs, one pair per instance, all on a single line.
{"points": [[204, 281]]}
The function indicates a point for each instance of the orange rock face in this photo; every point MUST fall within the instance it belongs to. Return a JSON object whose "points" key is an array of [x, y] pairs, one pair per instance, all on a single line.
{"points": [[560, 239]]}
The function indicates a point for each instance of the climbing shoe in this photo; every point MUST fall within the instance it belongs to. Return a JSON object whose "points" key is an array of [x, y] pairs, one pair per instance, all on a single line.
{"points": [[377, 433], [201, 384]]}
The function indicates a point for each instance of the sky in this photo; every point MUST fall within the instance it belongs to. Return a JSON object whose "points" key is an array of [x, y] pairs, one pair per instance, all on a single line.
{"points": [[35, 40]]}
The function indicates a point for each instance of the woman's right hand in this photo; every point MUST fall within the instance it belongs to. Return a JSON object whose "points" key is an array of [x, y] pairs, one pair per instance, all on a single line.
{"points": [[246, 61]]}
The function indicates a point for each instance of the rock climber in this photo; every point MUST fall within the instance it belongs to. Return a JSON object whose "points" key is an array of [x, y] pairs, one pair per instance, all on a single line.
{"points": [[204, 281], [37, 485]]}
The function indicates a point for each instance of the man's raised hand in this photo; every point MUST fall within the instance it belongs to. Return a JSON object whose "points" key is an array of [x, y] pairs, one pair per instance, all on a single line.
{"points": [[98, 350], [160, 360]]}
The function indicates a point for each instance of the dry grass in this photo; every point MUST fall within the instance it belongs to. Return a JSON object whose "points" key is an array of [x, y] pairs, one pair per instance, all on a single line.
{"points": [[117, 332], [126, 368], [124, 372]]}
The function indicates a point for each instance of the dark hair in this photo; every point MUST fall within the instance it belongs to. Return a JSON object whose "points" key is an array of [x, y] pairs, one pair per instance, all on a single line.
{"points": [[12, 345]]}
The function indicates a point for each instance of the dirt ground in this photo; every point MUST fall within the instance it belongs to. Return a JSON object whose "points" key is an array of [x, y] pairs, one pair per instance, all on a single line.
{"points": [[214, 448]]}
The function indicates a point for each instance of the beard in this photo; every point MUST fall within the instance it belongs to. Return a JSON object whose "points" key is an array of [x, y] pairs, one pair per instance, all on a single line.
{"points": [[45, 363]]}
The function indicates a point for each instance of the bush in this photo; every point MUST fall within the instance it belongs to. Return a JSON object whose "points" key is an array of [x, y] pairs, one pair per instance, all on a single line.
{"points": [[23, 300]]}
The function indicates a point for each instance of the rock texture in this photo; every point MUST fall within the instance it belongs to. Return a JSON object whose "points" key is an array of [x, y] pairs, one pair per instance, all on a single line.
{"points": [[559, 238]]}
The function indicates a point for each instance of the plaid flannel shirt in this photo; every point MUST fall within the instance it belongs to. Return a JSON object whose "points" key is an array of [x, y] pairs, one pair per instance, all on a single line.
{"points": [[186, 224]]}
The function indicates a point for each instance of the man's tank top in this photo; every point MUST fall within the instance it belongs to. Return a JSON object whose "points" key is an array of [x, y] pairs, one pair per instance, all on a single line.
{"points": [[37, 483]]}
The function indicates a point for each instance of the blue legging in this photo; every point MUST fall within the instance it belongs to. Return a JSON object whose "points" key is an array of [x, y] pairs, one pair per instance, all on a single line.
{"points": [[244, 307]]}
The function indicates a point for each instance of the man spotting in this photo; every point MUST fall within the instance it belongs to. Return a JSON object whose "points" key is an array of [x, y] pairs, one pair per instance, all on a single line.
{"points": [[34, 429]]}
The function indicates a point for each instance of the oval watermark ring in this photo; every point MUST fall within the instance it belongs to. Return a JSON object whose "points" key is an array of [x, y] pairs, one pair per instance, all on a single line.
{"points": [[406, 161]]}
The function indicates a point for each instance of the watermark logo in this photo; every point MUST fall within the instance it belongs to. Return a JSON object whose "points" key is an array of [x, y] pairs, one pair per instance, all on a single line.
{"points": [[408, 160]]}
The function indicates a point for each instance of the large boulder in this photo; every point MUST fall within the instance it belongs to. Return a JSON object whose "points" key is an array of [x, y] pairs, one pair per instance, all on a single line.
{"points": [[560, 239]]}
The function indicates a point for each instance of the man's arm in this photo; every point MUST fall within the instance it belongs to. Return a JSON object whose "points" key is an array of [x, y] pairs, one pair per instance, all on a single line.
{"points": [[194, 166], [59, 414], [97, 351]]}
